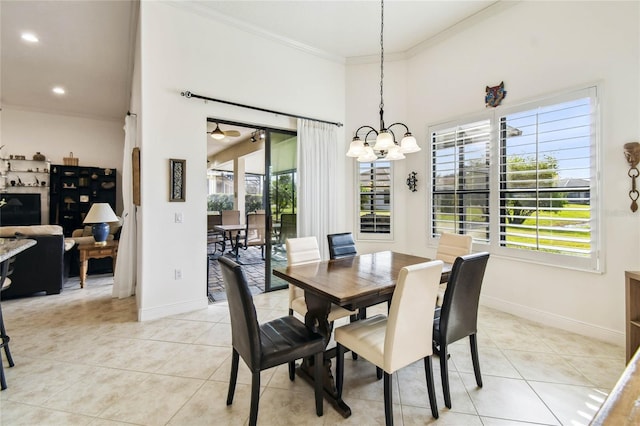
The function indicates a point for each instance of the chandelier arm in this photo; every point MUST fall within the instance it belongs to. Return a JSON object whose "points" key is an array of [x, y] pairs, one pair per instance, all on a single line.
{"points": [[366, 127], [400, 124], [368, 133]]}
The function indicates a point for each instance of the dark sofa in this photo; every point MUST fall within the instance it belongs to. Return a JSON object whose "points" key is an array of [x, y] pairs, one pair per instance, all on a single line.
{"points": [[41, 268]]}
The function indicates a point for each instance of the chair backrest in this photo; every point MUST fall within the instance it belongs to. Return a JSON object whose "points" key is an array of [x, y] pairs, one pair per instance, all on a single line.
{"points": [[451, 246], [459, 314], [245, 331], [341, 245], [213, 220], [301, 250], [230, 217], [256, 229], [288, 227], [6, 269], [410, 326]]}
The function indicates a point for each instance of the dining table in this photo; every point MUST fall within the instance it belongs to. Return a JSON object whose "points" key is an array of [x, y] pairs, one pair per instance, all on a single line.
{"points": [[229, 232], [352, 283]]}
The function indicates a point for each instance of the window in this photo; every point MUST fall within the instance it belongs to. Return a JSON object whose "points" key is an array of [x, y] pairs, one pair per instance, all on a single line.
{"points": [[375, 198], [220, 186], [283, 193], [531, 199], [460, 173]]}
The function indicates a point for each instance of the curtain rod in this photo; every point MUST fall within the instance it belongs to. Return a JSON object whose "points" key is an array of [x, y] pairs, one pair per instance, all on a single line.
{"points": [[188, 94]]}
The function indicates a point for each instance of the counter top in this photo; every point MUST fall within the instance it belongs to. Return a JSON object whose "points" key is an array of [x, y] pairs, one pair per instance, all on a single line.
{"points": [[622, 406], [11, 247]]}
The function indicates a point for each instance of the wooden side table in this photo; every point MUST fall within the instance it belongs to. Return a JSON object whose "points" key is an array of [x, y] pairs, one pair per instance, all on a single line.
{"points": [[92, 251]]}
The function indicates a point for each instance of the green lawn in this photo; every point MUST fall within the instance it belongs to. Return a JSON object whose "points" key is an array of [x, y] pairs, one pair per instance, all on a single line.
{"points": [[572, 223]]}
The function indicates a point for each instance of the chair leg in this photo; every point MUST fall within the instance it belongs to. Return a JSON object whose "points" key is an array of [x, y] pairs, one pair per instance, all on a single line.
{"points": [[388, 403], [255, 398], [428, 369], [339, 369], [235, 357], [5, 341], [3, 381], [354, 318], [290, 311], [378, 373], [319, 360], [474, 357], [444, 374], [292, 371], [363, 313]]}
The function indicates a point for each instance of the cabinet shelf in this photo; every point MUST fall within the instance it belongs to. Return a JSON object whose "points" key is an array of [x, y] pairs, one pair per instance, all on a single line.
{"points": [[632, 298], [73, 190], [25, 171]]}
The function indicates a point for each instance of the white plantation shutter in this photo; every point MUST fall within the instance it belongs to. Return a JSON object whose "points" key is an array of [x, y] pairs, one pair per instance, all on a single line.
{"points": [[546, 174], [375, 183], [523, 182], [460, 176]]}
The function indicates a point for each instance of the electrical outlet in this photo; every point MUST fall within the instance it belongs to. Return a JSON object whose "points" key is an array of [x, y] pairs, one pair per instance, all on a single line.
{"points": [[178, 217], [177, 274]]}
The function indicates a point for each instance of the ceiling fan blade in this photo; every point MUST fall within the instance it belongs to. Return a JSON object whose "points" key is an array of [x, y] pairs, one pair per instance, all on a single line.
{"points": [[233, 133]]}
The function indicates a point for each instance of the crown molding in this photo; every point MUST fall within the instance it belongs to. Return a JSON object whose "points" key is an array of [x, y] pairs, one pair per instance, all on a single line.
{"points": [[201, 9]]}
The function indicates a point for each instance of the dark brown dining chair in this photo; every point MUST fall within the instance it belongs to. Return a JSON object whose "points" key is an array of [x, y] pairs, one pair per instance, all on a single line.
{"points": [[341, 245], [458, 317], [6, 268], [390, 342], [262, 346]]}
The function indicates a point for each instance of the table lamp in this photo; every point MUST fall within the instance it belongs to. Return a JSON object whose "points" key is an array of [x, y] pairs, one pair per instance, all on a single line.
{"points": [[99, 215]]}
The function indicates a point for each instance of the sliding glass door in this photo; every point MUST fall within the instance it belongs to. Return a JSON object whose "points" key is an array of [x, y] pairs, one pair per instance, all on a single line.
{"points": [[281, 200]]}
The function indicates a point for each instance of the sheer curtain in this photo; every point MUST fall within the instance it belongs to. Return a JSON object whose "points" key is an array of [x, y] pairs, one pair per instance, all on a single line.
{"points": [[124, 280], [317, 166]]}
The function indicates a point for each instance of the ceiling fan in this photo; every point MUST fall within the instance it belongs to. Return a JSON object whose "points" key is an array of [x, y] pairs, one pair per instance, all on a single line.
{"points": [[220, 134]]}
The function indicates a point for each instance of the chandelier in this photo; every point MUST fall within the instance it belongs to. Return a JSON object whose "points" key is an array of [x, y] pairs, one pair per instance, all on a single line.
{"points": [[386, 147]]}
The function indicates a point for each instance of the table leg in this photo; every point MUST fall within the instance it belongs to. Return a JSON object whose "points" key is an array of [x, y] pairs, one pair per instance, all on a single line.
{"points": [[317, 313], [83, 270]]}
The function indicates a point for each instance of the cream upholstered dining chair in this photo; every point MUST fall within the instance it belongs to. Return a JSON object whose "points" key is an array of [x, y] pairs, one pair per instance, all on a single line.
{"points": [[392, 343], [305, 250], [450, 247]]}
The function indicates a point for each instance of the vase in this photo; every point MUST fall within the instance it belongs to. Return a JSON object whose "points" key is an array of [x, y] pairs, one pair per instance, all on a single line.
{"points": [[38, 157]]}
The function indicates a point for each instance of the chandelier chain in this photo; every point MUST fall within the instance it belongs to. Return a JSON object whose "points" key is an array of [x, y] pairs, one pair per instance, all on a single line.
{"points": [[381, 55]]}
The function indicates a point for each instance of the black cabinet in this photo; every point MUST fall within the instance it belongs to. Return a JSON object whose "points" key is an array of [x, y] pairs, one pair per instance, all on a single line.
{"points": [[72, 191]]}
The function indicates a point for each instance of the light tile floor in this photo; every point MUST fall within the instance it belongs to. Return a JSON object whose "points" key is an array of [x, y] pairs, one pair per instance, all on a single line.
{"points": [[82, 359]]}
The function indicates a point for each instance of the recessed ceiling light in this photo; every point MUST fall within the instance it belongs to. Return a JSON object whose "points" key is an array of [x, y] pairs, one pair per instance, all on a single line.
{"points": [[30, 37], [58, 90]]}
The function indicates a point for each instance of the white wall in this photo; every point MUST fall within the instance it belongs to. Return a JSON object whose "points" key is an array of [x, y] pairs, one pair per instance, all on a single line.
{"points": [[536, 48], [97, 143], [182, 50]]}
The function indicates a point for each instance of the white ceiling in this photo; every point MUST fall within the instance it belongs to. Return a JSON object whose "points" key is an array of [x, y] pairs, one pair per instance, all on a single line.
{"points": [[88, 46], [348, 29], [85, 47]]}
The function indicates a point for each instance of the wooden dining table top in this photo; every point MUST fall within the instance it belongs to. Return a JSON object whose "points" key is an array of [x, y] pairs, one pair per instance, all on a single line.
{"points": [[353, 281]]}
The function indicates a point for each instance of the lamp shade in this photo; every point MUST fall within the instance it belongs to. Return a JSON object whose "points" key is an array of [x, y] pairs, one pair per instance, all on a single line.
{"points": [[368, 156], [409, 144], [384, 141], [100, 213], [395, 153], [356, 148]]}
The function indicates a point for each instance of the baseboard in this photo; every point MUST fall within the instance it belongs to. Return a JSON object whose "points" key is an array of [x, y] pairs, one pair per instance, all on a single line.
{"points": [[172, 309], [554, 320]]}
